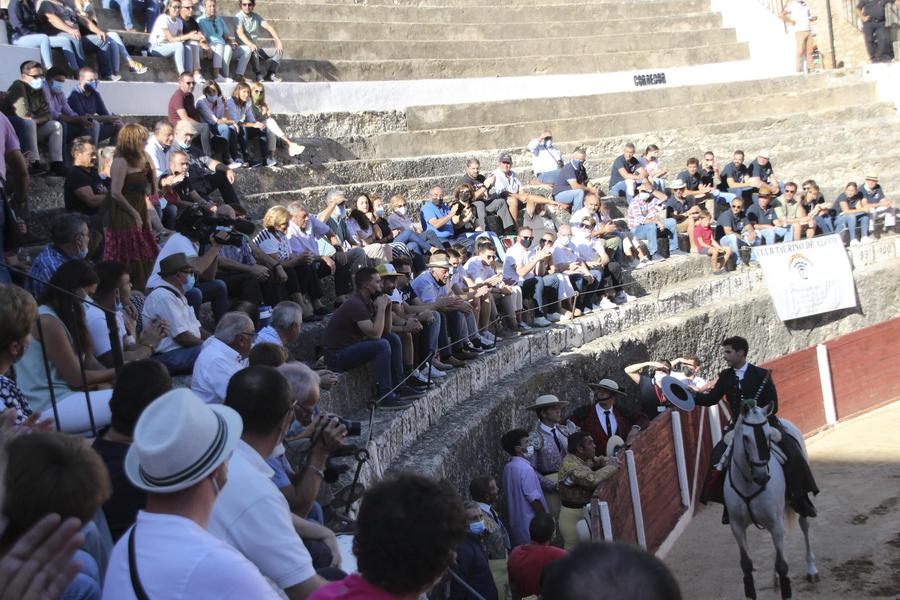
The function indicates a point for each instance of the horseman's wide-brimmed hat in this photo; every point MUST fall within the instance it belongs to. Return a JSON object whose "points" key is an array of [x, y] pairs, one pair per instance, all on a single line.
{"points": [[677, 392], [606, 384], [546, 401], [613, 445]]}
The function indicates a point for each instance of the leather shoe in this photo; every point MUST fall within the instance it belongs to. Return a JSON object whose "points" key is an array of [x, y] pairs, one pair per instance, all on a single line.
{"points": [[466, 355], [454, 362]]}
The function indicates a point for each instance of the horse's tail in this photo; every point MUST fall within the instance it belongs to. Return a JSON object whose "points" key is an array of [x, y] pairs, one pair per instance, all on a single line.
{"points": [[791, 519]]}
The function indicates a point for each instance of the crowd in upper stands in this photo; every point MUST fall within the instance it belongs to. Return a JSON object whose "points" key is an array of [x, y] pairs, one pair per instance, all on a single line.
{"points": [[225, 485]]}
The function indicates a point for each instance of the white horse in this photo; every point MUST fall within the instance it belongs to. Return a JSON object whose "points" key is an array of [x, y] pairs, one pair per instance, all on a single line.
{"points": [[755, 494]]}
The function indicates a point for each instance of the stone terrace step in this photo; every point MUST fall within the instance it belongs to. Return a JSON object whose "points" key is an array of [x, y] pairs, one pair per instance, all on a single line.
{"points": [[455, 15], [351, 32], [437, 49], [627, 119]]}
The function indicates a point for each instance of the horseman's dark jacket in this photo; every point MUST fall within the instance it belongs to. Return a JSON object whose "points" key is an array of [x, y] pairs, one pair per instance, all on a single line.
{"points": [[735, 391]]}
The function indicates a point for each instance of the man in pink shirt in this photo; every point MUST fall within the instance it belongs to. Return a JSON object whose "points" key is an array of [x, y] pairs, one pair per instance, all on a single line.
{"points": [[407, 530]]}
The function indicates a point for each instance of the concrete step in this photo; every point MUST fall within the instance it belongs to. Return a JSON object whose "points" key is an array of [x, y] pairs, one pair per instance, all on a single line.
{"points": [[627, 119], [328, 29], [449, 116], [437, 49], [466, 15]]}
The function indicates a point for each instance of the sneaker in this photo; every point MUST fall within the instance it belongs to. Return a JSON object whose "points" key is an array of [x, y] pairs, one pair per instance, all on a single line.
{"points": [[524, 326], [137, 68], [200, 79], [419, 386], [466, 355], [854, 242], [271, 162], [405, 392], [273, 78], [554, 317], [867, 239], [605, 304], [622, 297], [642, 264], [221, 79], [394, 402], [436, 373], [417, 375], [506, 334], [488, 348], [296, 149], [471, 348], [114, 77], [542, 322], [567, 317], [235, 164], [455, 362], [440, 365], [488, 338]]}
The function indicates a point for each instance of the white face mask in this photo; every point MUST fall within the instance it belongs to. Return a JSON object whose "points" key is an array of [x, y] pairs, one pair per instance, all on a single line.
{"points": [[400, 210], [564, 240], [529, 451], [643, 196]]}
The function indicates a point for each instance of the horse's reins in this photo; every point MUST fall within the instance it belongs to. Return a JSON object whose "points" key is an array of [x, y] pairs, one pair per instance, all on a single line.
{"points": [[758, 436]]}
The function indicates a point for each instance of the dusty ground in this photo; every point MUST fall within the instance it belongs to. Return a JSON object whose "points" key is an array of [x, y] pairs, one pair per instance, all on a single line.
{"points": [[856, 536]]}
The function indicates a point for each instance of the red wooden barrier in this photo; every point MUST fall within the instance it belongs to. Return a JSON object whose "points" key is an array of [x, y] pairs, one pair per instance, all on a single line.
{"points": [[796, 378]]}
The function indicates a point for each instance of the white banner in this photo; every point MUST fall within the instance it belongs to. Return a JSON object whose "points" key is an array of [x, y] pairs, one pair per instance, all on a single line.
{"points": [[809, 277]]}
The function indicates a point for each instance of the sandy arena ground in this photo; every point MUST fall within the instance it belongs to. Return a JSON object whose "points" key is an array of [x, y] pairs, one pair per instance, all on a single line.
{"points": [[856, 537]]}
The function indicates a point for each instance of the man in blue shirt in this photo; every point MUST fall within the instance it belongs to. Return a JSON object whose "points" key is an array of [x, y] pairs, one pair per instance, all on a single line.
{"points": [[761, 176], [877, 204], [850, 211], [437, 220], [85, 100], [762, 216], [625, 174], [471, 559], [730, 225], [572, 182], [734, 175]]}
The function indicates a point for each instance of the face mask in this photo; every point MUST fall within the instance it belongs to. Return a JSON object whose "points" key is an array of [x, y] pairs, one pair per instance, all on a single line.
{"points": [[341, 210], [119, 307], [658, 376], [476, 528], [452, 270], [526, 243], [548, 143], [163, 203], [687, 370], [57, 86], [182, 145], [91, 84], [643, 196], [529, 451], [36, 83], [401, 210], [212, 99], [190, 283], [81, 254], [577, 163], [379, 212], [564, 240]]}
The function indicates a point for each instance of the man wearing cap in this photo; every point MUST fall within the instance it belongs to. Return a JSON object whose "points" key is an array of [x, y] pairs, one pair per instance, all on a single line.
{"points": [[579, 475], [549, 456], [408, 327], [431, 287], [359, 333], [222, 355], [877, 204], [546, 160], [504, 188], [572, 182], [179, 457], [683, 208], [603, 419], [251, 513], [167, 303], [761, 176]]}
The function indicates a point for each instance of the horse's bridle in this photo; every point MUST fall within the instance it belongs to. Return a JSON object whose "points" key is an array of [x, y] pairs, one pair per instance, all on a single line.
{"points": [[764, 450]]}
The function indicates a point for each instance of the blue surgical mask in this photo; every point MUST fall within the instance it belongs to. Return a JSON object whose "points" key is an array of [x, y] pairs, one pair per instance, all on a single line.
{"points": [[119, 307], [212, 98], [81, 254], [643, 196], [163, 203], [577, 163], [190, 283], [36, 83], [379, 212], [57, 86], [341, 210], [476, 528], [91, 84], [182, 145]]}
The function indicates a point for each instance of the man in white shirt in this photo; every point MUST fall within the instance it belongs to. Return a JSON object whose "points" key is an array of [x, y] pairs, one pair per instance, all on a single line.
{"points": [[505, 193], [566, 260], [601, 266], [519, 269], [181, 346], [796, 14], [480, 270], [158, 145], [252, 514], [179, 457], [547, 160], [222, 355]]}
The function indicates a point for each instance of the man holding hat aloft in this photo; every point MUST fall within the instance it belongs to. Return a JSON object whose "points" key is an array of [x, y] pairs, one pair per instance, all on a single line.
{"points": [[167, 303], [180, 458], [603, 419], [549, 456], [579, 475]]}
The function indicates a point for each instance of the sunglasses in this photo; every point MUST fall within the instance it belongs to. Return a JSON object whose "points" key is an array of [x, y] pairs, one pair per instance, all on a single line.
{"points": [[545, 242], [527, 237], [786, 191]]}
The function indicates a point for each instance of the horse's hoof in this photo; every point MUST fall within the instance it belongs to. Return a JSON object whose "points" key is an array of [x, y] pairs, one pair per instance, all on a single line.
{"points": [[812, 577]]}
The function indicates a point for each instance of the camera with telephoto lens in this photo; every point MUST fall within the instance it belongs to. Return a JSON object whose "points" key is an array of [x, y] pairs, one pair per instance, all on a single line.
{"points": [[200, 225]]}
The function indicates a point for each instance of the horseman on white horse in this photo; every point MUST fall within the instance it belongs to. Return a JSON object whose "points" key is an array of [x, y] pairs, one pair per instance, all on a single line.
{"points": [[740, 381]]}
